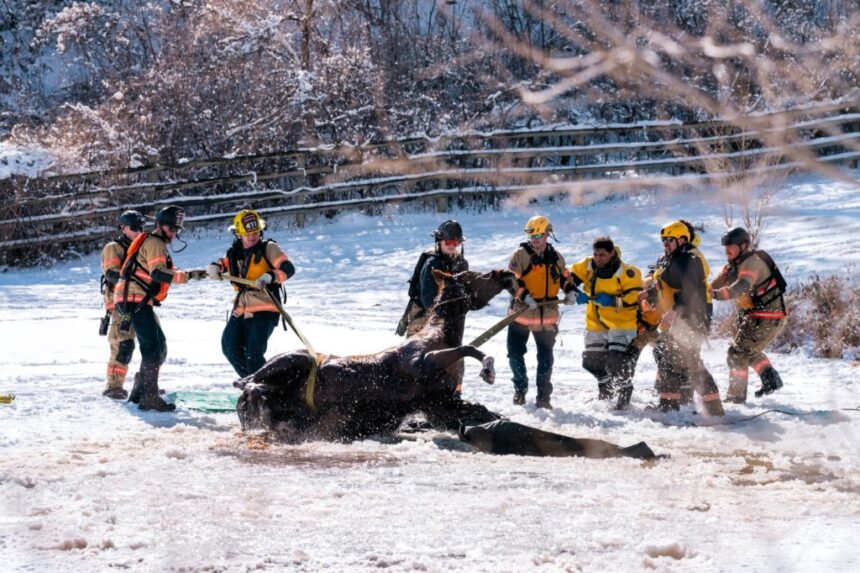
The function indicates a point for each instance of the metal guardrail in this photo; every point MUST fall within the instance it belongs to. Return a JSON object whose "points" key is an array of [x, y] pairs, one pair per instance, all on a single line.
{"points": [[29, 218]]}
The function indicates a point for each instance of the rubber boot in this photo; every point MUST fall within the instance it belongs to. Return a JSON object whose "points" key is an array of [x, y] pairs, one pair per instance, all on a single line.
{"points": [[623, 395], [149, 399], [136, 390], [116, 393], [665, 405], [770, 382], [605, 391]]}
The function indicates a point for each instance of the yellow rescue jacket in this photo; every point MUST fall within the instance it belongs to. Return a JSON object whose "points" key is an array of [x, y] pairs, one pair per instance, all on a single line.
{"points": [[625, 284]]}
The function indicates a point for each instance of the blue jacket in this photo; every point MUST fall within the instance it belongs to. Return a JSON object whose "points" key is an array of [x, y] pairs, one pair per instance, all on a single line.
{"points": [[444, 263]]}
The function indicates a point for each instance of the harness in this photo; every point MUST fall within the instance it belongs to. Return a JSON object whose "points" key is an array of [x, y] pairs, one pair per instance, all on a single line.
{"points": [[415, 281], [240, 261], [124, 242], [766, 291], [132, 271], [311, 383]]}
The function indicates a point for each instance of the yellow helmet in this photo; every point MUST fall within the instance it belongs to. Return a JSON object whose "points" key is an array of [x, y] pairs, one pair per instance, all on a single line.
{"points": [[538, 225], [675, 230], [247, 221]]}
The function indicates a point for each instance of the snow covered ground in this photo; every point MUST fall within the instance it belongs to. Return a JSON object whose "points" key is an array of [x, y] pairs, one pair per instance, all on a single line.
{"points": [[88, 484]]}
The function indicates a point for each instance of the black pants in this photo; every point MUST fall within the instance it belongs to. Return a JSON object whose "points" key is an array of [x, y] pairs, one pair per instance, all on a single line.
{"points": [[150, 337], [245, 340], [518, 337]]}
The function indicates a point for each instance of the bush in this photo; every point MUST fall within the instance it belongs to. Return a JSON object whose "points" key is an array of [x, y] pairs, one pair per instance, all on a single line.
{"points": [[823, 315]]}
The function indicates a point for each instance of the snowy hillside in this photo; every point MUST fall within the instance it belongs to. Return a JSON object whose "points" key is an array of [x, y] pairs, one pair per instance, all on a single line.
{"points": [[88, 484]]}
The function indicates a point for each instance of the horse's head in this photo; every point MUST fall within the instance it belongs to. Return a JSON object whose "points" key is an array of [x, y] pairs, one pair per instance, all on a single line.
{"points": [[482, 288], [452, 291]]}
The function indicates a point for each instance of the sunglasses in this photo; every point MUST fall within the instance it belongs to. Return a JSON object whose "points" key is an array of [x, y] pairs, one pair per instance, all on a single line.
{"points": [[668, 239], [537, 236], [451, 243]]}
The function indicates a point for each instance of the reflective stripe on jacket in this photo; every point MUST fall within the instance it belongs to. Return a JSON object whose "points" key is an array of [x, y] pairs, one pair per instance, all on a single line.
{"points": [[542, 280], [150, 255], [251, 264]]}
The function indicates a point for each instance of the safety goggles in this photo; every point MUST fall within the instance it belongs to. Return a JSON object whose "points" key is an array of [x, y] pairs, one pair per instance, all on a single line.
{"points": [[451, 243], [537, 236]]}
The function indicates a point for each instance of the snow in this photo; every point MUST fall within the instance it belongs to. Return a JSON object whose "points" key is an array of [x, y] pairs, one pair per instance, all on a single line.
{"points": [[89, 484], [23, 160]]}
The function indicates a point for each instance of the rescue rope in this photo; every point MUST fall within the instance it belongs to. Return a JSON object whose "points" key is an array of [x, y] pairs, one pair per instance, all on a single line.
{"points": [[287, 318], [753, 417], [310, 384], [500, 325]]}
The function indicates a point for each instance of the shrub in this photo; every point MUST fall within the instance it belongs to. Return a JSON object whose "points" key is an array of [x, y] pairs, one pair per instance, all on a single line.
{"points": [[823, 315]]}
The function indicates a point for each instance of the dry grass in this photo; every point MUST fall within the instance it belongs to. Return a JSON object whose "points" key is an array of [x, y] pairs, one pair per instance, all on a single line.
{"points": [[824, 316]]}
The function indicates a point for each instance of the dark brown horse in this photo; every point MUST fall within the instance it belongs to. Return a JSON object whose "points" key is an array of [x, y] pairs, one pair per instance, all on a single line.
{"points": [[354, 396]]}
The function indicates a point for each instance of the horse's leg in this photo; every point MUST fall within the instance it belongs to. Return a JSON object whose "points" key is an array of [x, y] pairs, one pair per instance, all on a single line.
{"points": [[441, 359], [280, 370]]}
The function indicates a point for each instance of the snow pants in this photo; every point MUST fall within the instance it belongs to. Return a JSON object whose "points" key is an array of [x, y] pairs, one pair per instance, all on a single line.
{"points": [[245, 340], [611, 359], [518, 337]]}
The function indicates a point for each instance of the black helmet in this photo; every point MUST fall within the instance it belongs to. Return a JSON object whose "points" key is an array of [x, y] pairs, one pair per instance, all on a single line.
{"points": [[736, 236], [132, 219], [171, 215], [449, 230]]}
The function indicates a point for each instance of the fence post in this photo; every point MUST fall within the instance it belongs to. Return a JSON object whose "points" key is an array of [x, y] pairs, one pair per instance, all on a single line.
{"points": [[854, 162], [442, 204], [300, 199]]}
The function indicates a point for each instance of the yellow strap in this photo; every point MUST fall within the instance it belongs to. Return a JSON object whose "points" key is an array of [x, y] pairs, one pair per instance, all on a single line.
{"points": [[311, 384]]}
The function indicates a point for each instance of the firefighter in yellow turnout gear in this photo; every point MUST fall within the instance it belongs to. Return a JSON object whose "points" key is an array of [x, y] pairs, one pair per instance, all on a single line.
{"points": [[754, 282], [541, 274], [678, 295], [610, 288], [121, 342], [255, 316]]}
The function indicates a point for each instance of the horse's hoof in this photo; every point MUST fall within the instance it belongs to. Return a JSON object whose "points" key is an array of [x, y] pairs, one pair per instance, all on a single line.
{"points": [[488, 372]]}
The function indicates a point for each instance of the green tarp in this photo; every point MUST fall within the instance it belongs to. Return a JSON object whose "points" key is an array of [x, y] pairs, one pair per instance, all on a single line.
{"points": [[211, 402]]}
